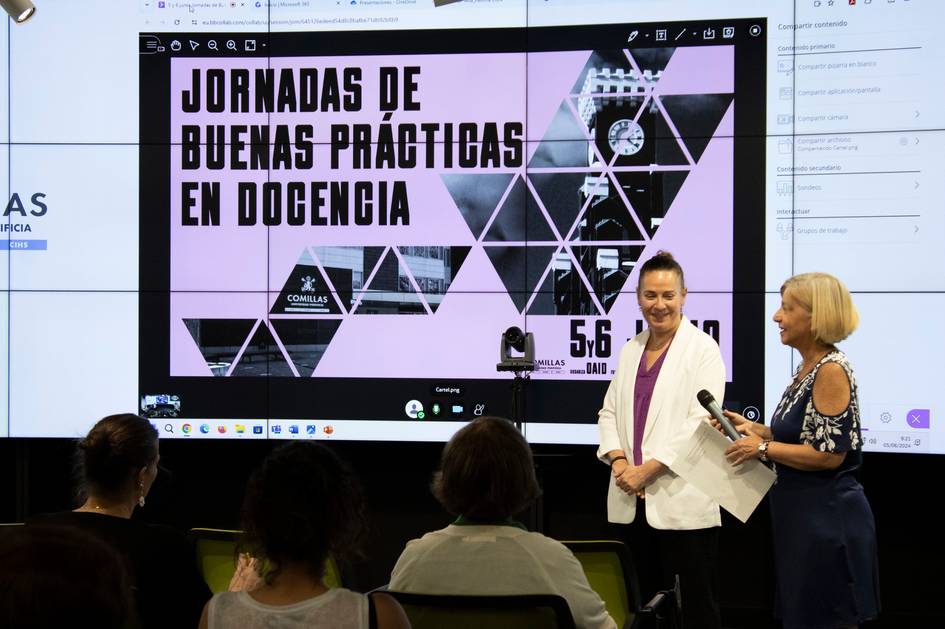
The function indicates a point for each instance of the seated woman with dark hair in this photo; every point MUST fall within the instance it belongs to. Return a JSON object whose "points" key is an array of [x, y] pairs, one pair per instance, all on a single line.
{"points": [[487, 476], [118, 462], [301, 505]]}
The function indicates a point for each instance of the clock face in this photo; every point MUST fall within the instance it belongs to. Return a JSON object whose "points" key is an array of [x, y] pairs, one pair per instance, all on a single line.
{"points": [[625, 137]]}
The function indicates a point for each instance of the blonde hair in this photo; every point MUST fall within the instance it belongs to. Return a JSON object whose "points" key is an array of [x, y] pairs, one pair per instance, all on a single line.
{"points": [[833, 317]]}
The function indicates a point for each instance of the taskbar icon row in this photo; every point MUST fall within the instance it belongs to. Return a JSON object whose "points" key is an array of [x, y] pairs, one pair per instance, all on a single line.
{"points": [[195, 428], [339, 429]]}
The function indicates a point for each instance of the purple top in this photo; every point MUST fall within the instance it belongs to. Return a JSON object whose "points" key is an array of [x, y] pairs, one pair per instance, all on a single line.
{"points": [[642, 394]]}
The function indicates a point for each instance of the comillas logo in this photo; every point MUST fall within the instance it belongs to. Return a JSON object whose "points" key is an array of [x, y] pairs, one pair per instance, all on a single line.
{"points": [[551, 363], [307, 299]]}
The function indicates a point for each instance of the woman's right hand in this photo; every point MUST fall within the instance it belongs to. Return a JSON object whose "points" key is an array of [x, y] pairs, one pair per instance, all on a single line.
{"points": [[742, 425]]}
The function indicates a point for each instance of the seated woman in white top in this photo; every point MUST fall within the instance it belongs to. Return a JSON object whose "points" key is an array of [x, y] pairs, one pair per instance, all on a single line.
{"points": [[486, 476], [301, 505]]}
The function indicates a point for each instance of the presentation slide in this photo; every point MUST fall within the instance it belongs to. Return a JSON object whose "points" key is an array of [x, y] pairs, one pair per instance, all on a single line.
{"points": [[316, 220]]}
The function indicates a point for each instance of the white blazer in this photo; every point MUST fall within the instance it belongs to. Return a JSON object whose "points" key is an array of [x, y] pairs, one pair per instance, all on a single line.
{"points": [[693, 362]]}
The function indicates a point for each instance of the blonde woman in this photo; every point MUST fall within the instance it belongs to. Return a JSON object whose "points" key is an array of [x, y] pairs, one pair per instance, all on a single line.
{"points": [[823, 529]]}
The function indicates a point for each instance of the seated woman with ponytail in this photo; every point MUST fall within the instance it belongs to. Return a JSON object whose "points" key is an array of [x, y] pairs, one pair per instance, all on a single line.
{"points": [[118, 462]]}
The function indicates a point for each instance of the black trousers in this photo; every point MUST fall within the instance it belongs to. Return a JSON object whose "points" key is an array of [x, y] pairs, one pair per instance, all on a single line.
{"points": [[659, 555]]}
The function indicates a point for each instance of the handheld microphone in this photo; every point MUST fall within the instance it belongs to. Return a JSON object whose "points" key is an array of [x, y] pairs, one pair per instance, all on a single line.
{"points": [[708, 403]]}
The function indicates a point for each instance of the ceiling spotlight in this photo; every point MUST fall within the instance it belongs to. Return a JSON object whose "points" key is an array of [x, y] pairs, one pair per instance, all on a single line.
{"points": [[19, 10]]}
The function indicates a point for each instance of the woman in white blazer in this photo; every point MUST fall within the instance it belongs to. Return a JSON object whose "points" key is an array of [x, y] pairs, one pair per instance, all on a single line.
{"points": [[649, 410]]}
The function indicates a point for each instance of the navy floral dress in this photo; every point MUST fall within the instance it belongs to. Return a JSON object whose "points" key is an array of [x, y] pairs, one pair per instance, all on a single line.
{"points": [[824, 534]]}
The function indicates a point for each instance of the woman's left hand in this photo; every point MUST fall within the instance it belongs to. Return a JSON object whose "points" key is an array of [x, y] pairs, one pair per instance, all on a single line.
{"points": [[743, 450], [245, 578]]}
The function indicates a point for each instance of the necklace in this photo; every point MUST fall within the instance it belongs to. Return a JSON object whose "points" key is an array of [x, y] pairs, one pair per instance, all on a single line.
{"points": [[97, 508]]}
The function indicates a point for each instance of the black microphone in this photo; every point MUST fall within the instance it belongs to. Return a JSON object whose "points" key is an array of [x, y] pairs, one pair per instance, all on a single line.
{"points": [[708, 403]]}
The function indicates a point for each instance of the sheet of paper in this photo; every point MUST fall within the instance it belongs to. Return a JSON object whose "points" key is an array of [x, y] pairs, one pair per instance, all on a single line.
{"points": [[701, 461]]}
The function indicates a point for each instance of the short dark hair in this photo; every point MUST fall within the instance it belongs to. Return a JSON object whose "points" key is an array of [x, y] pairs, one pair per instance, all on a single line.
{"points": [[116, 447], [302, 504], [486, 471], [662, 261], [56, 575]]}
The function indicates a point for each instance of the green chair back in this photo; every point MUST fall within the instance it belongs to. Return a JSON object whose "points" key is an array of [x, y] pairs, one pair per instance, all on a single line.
{"points": [[531, 611], [610, 572], [216, 558], [332, 573]]}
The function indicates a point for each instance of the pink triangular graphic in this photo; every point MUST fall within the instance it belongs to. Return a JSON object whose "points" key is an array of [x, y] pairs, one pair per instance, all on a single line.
{"points": [[702, 212], [550, 78], [699, 70]]}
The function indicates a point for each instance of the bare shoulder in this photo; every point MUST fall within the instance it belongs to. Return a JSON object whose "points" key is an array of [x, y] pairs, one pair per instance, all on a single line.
{"points": [[831, 389], [390, 615], [205, 617]]}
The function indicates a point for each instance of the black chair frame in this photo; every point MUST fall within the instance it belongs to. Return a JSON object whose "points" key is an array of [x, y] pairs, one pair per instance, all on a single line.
{"points": [[511, 602]]}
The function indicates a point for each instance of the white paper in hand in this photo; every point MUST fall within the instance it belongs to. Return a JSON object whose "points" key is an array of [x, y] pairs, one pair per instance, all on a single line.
{"points": [[701, 461]]}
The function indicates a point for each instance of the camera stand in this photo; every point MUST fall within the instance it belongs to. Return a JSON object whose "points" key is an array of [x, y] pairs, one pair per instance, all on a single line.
{"points": [[521, 365], [517, 413]]}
